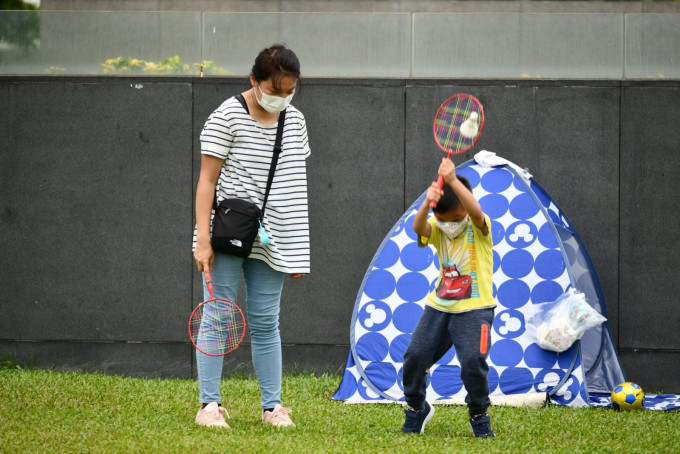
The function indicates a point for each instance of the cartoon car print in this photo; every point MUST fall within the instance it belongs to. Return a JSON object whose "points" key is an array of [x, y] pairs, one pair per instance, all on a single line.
{"points": [[453, 286]]}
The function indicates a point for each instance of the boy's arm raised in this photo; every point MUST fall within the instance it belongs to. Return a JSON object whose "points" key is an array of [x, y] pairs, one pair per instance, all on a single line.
{"points": [[420, 224], [467, 199]]}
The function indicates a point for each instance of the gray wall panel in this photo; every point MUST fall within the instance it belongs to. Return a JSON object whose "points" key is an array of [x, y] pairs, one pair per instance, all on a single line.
{"points": [[356, 175], [655, 371], [152, 360], [576, 161], [95, 184], [650, 171]]}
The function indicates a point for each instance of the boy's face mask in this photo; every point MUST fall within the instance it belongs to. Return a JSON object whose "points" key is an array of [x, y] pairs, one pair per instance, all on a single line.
{"points": [[273, 104], [454, 229]]}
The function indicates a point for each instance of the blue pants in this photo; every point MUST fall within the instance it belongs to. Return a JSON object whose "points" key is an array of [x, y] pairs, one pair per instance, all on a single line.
{"points": [[263, 287], [434, 335]]}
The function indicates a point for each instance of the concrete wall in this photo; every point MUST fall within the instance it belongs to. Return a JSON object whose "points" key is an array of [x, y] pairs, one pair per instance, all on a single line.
{"points": [[450, 6], [97, 179]]}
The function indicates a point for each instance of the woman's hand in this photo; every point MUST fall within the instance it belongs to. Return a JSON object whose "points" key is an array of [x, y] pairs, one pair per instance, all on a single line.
{"points": [[204, 256], [297, 276]]}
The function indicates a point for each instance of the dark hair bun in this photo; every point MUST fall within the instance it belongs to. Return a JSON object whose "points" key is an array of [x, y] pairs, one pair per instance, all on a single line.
{"points": [[276, 61]]}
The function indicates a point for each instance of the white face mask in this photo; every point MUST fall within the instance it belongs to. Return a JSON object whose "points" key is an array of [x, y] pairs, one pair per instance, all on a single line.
{"points": [[454, 229], [273, 104]]}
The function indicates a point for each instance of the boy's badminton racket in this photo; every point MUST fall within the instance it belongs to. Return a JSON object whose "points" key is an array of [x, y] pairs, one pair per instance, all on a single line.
{"points": [[457, 126], [216, 326]]}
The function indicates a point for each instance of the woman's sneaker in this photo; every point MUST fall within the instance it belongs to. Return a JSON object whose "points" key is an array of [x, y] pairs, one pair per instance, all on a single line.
{"points": [[278, 417], [415, 421], [212, 415], [481, 426]]}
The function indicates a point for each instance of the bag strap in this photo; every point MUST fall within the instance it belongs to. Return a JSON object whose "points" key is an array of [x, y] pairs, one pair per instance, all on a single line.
{"points": [[243, 102], [275, 157]]}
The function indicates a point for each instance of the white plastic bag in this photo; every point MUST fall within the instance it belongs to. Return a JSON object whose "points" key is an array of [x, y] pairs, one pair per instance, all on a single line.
{"points": [[558, 325]]}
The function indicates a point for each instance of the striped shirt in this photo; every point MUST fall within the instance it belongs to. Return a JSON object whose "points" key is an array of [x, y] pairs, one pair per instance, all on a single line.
{"points": [[230, 133]]}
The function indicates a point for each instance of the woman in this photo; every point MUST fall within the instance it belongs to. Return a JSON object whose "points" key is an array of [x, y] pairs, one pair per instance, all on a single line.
{"points": [[236, 153]]}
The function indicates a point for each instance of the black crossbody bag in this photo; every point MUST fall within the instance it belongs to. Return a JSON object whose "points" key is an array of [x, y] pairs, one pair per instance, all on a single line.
{"points": [[237, 222]]}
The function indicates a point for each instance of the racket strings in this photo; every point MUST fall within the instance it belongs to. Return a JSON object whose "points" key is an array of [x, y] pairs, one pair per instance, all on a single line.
{"points": [[449, 120], [217, 327]]}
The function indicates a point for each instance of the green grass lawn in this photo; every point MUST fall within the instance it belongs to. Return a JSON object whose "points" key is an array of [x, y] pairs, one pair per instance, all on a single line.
{"points": [[47, 411]]}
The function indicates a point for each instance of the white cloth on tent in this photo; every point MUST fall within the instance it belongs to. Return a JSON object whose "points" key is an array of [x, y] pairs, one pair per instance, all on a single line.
{"points": [[490, 159]]}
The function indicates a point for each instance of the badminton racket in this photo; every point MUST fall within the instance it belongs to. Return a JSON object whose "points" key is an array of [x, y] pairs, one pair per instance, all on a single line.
{"points": [[217, 325], [457, 126]]}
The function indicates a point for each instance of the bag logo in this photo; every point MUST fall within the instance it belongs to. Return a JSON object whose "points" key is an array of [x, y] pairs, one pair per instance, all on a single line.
{"points": [[236, 243]]}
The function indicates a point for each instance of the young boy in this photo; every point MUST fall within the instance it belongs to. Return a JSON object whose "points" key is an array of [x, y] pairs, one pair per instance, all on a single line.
{"points": [[460, 310]]}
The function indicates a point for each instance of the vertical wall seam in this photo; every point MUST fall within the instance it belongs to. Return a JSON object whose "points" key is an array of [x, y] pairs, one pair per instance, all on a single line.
{"points": [[618, 252], [404, 205], [193, 210]]}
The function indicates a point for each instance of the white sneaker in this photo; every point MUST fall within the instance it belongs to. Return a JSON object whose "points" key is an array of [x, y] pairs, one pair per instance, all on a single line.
{"points": [[212, 415], [278, 417]]}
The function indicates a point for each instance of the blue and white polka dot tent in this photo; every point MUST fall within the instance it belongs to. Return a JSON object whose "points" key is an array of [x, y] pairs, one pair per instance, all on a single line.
{"points": [[538, 255]]}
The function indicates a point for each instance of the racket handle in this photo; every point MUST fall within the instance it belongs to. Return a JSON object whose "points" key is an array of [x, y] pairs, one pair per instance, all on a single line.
{"points": [[440, 183], [208, 281]]}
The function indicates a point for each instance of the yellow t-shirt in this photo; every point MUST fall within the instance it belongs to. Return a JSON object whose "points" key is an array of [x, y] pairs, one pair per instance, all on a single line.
{"points": [[465, 269]]}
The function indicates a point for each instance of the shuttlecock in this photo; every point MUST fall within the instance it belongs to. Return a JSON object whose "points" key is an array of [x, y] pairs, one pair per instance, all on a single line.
{"points": [[470, 127]]}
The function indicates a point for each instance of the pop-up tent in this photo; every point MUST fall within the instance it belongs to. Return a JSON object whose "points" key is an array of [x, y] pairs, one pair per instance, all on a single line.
{"points": [[538, 256]]}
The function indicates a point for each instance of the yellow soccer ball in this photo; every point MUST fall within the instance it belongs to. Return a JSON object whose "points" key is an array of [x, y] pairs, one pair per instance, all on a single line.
{"points": [[628, 396]]}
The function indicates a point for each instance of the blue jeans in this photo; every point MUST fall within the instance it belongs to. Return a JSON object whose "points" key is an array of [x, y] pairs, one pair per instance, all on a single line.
{"points": [[263, 287], [434, 335]]}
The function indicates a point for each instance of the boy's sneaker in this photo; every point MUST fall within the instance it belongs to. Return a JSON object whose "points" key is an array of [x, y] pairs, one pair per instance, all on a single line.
{"points": [[415, 420], [278, 417], [481, 426], [212, 415]]}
